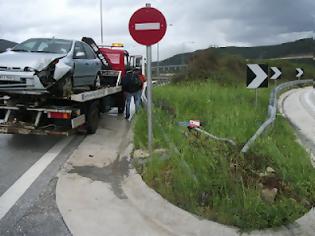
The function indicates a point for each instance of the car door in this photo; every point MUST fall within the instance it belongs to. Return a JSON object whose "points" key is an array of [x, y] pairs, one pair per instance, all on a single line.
{"points": [[81, 66], [94, 63]]}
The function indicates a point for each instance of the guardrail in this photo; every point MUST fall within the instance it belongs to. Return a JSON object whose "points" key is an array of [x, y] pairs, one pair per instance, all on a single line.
{"points": [[272, 108], [155, 83]]}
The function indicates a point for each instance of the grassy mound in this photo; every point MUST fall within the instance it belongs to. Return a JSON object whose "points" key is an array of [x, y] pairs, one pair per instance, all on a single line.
{"points": [[210, 178]]}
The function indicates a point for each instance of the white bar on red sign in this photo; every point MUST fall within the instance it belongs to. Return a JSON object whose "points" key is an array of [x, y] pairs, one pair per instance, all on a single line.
{"points": [[147, 26]]}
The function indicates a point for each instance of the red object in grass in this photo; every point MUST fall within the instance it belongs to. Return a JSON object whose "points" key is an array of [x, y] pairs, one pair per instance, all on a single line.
{"points": [[194, 124]]}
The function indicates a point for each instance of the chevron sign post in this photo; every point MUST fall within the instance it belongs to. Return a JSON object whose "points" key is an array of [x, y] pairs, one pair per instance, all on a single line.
{"points": [[257, 77], [299, 73]]}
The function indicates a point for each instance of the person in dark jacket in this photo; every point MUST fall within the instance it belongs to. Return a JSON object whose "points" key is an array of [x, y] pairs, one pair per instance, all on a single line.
{"points": [[132, 87]]}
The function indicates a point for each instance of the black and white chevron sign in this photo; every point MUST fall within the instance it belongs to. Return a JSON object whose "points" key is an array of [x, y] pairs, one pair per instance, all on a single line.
{"points": [[299, 72], [275, 73], [257, 76]]}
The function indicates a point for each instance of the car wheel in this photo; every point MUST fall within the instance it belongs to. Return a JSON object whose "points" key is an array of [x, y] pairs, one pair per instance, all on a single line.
{"points": [[63, 87], [97, 82], [68, 87]]}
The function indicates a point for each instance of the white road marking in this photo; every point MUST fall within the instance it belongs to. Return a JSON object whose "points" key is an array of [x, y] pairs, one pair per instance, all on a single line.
{"points": [[148, 26], [13, 194]]}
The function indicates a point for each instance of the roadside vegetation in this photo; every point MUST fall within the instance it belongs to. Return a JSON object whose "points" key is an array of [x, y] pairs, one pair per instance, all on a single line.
{"points": [[272, 185]]}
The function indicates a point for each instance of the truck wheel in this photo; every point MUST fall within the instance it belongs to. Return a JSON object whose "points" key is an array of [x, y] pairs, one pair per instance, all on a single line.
{"points": [[92, 118], [120, 102]]}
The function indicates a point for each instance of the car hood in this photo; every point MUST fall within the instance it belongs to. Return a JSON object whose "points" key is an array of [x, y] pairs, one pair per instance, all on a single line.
{"points": [[38, 61]]}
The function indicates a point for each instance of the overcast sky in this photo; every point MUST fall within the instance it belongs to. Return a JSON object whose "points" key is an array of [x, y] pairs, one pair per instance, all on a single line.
{"points": [[194, 24]]}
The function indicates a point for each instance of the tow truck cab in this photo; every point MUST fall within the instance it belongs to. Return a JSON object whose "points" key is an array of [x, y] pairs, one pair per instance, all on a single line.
{"points": [[119, 59]]}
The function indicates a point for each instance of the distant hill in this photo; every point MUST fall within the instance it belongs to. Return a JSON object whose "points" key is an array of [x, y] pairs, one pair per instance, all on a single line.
{"points": [[302, 47], [4, 44]]}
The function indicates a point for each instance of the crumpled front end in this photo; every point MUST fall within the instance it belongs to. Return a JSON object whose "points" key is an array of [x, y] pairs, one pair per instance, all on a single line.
{"points": [[31, 81]]}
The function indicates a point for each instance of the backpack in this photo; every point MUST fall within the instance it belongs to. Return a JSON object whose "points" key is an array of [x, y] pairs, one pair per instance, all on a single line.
{"points": [[132, 83]]}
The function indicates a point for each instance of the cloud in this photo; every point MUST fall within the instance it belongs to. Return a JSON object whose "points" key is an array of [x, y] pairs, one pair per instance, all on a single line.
{"points": [[195, 24]]}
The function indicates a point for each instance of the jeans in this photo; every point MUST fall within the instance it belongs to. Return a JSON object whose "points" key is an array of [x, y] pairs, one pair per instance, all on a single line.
{"points": [[137, 99]]}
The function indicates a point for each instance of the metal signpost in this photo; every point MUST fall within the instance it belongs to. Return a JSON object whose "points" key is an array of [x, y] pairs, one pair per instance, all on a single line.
{"points": [[147, 26]]}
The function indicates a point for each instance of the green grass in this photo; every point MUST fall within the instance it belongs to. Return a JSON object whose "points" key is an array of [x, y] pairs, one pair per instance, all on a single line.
{"points": [[211, 178]]}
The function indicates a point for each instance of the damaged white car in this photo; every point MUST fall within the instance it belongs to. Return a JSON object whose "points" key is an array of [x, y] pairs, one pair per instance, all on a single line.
{"points": [[49, 65]]}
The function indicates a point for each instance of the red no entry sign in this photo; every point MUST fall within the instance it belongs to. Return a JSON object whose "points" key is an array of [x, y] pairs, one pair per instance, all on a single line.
{"points": [[147, 26]]}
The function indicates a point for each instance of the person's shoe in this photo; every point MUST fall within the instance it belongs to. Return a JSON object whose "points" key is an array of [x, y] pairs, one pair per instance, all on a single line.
{"points": [[127, 117]]}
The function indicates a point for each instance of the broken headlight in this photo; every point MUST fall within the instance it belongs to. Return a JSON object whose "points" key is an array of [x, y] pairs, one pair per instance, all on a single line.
{"points": [[29, 69]]}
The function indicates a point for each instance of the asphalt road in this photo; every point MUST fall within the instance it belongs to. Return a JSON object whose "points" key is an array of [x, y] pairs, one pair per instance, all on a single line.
{"points": [[28, 169], [18, 153]]}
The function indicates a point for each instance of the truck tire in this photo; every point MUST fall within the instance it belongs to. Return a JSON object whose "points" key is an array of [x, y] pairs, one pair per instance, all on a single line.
{"points": [[120, 101], [92, 118]]}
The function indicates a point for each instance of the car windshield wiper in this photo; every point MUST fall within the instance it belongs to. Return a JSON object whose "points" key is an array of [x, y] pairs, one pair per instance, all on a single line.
{"points": [[20, 50], [43, 51]]}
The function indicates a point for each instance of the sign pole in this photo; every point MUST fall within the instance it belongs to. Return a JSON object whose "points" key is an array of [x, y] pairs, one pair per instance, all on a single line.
{"points": [[147, 26], [149, 107], [158, 60]]}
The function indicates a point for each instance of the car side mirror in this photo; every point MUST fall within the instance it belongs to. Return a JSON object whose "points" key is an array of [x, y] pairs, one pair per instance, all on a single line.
{"points": [[79, 54]]}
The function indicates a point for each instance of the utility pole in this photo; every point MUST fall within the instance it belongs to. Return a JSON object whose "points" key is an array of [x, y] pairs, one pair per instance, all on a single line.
{"points": [[101, 14]]}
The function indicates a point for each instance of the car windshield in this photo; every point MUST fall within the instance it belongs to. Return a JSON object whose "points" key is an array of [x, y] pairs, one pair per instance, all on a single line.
{"points": [[59, 46]]}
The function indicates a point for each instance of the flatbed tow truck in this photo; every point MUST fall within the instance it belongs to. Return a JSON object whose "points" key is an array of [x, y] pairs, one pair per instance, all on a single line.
{"points": [[48, 115], [57, 116]]}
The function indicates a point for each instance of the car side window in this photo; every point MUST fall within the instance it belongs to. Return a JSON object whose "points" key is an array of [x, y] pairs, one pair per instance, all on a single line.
{"points": [[89, 52], [79, 52]]}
